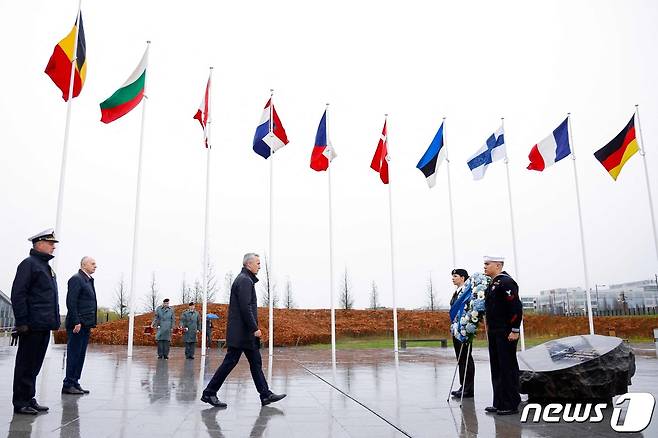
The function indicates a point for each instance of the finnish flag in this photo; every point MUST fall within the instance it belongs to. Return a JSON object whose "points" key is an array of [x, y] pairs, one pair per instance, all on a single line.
{"points": [[493, 150]]}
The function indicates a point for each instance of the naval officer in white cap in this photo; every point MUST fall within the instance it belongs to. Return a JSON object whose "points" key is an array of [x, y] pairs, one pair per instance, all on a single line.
{"points": [[36, 310], [504, 313]]}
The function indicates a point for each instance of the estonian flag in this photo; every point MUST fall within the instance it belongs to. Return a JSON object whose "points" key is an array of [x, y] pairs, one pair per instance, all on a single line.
{"points": [[433, 158]]}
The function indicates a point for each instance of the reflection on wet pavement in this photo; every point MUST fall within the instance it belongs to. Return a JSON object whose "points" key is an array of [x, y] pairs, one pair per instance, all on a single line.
{"points": [[369, 393]]}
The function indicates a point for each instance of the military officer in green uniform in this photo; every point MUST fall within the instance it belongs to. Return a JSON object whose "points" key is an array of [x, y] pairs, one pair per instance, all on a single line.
{"points": [[163, 320], [190, 322]]}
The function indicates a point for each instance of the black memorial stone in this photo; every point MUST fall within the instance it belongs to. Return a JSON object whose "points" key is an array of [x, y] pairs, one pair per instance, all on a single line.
{"points": [[587, 367]]}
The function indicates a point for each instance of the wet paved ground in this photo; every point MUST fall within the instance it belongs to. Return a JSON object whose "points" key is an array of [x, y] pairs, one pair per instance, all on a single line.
{"points": [[368, 394]]}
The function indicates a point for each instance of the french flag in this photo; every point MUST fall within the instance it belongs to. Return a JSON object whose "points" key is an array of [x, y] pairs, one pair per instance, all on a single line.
{"points": [[270, 135], [551, 149], [323, 151]]}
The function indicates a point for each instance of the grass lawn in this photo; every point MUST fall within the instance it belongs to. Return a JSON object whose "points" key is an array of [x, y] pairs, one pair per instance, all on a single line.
{"points": [[377, 342]]}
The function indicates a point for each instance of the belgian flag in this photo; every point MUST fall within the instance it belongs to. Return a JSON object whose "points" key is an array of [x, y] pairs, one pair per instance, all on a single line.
{"points": [[615, 154], [59, 65]]}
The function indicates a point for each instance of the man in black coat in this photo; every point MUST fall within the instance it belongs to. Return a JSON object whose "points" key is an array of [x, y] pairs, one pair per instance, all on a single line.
{"points": [[242, 336], [504, 313], [36, 310], [80, 319]]}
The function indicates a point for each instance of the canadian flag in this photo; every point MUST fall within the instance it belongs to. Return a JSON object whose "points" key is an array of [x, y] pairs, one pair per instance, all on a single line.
{"points": [[380, 160], [203, 113]]}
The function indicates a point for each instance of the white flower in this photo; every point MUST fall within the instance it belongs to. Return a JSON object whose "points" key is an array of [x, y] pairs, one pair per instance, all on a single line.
{"points": [[463, 332], [480, 295], [474, 319], [474, 313]]}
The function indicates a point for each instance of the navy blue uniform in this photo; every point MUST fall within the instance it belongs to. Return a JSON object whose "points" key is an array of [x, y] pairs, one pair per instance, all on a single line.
{"points": [[504, 313], [35, 303]]}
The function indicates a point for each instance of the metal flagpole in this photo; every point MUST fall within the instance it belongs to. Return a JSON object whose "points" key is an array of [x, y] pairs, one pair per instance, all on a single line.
{"points": [[452, 221], [206, 223], [646, 175], [62, 171], [138, 195], [331, 253], [582, 232], [390, 214], [511, 214], [269, 249]]}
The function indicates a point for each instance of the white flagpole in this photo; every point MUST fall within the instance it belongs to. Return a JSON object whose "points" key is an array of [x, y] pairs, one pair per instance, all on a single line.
{"points": [[269, 249], [138, 195], [331, 254], [582, 232], [511, 215], [62, 171], [207, 221], [390, 218], [646, 175], [452, 221]]}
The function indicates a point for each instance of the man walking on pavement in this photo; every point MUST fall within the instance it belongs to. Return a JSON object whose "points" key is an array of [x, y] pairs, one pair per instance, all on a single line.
{"points": [[80, 319], [190, 322], [242, 336], [164, 320], [35, 303]]}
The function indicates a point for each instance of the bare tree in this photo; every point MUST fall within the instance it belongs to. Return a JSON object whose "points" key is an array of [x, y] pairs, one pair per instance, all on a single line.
{"points": [[346, 297], [432, 303], [288, 302], [211, 281], [374, 297], [120, 305], [196, 293], [185, 292], [228, 282], [152, 299], [268, 288]]}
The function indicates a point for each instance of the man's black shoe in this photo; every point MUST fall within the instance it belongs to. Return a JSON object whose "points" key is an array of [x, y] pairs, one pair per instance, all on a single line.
{"points": [[71, 390], [213, 400], [507, 412], [38, 407], [26, 410], [466, 395], [80, 388], [159, 357], [271, 399], [491, 409], [454, 393]]}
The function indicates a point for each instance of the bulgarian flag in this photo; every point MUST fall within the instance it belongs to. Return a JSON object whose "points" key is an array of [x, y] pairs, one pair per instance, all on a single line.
{"points": [[128, 96]]}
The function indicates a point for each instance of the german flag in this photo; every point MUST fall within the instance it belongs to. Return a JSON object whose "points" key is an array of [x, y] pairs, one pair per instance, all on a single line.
{"points": [[59, 65], [615, 154]]}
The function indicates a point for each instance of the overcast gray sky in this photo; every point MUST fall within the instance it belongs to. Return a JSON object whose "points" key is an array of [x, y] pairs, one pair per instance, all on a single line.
{"points": [[473, 62]]}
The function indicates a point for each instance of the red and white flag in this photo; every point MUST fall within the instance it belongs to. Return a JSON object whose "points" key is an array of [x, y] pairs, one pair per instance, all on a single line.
{"points": [[203, 113], [380, 159]]}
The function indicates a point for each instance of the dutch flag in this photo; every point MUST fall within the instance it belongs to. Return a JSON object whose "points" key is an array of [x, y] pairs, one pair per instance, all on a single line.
{"points": [[551, 149], [270, 135]]}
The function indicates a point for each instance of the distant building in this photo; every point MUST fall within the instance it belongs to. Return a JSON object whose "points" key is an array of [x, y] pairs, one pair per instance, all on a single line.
{"points": [[6, 312], [622, 296], [529, 303]]}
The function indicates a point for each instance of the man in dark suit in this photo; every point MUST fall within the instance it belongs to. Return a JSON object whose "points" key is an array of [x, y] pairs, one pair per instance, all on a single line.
{"points": [[242, 336], [36, 310], [80, 319]]}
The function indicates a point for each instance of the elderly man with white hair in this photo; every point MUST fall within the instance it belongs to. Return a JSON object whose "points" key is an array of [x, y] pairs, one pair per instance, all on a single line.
{"points": [[242, 336], [80, 319]]}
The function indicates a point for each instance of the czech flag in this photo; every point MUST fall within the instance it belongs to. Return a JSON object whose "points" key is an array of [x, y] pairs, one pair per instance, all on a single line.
{"points": [[380, 159], [615, 154], [59, 65], [551, 149], [270, 135], [323, 151]]}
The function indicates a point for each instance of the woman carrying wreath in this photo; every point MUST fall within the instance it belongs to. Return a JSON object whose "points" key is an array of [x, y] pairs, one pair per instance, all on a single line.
{"points": [[464, 354]]}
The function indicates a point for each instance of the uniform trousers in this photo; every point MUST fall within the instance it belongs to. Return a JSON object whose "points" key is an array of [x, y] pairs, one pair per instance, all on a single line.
{"points": [[504, 370], [32, 348]]}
